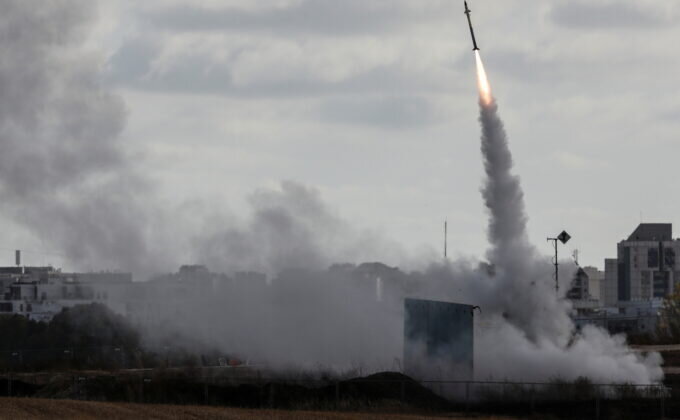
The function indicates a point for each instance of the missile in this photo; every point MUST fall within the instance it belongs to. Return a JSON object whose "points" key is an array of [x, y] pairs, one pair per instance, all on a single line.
{"points": [[472, 32]]}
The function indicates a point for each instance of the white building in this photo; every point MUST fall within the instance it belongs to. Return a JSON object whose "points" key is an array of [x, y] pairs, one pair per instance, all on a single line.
{"points": [[635, 283], [39, 293], [595, 281], [609, 289]]}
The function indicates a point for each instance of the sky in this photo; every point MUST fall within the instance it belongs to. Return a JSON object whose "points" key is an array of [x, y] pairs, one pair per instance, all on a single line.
{"points": [[373, 103]]}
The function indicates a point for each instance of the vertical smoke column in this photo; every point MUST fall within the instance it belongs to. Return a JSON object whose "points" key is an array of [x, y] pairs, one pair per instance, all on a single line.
{"points": [[520, 281], [502, 193]]}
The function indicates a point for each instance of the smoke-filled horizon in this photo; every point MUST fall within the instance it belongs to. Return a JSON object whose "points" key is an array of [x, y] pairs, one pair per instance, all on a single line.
{"points": [[67, 178]]}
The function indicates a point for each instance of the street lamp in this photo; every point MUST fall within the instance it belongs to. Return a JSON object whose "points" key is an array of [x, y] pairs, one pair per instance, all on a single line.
{"points": [[564, 238]]}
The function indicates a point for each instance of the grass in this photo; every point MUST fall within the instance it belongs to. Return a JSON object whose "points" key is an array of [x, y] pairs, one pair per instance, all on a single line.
{"points": [[36, 408]]}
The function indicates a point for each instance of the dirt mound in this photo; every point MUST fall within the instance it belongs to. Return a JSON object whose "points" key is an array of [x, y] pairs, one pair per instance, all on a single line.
{"points": [[394, 386], [386, 389]]}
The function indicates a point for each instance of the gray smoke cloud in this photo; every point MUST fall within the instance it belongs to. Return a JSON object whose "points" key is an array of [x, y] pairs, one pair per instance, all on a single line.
{"points": [[63, 172], [66, 176], [288, 228]]}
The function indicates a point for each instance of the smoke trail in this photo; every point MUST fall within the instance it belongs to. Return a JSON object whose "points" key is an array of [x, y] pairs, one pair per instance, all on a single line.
{"points": [[520, 273], [534, 325]]}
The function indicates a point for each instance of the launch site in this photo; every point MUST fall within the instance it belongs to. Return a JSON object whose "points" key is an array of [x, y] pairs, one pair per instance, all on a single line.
{"points": [[323, 209]]}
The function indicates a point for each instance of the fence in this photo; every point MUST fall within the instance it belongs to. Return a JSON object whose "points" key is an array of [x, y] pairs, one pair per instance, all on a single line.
{"points": [[99, 357], [578, 399], [253, 386]]}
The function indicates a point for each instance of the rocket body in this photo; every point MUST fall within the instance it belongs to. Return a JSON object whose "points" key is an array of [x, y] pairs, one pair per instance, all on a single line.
{"points": [[472, 31]]}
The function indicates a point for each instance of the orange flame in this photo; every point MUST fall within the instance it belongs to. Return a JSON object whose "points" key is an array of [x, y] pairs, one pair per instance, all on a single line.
{"points": [[483, 82]]}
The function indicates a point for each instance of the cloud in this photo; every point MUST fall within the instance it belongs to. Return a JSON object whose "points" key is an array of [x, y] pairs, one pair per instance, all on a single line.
{"points": [[395, 112], [265, 67], [608, 15], [321, 17], [579, 162]]}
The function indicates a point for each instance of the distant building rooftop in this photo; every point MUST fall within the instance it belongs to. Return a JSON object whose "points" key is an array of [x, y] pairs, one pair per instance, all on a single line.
{"points": [[25, 269], [652, 232]]}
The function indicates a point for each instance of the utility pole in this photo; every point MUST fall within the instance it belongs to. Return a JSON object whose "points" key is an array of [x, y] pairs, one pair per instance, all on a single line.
{"points": [[446, 237], [564, 238]]}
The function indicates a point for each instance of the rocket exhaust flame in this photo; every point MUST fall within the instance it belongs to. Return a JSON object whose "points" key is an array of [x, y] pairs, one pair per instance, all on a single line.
{"points": [[483, 82]]}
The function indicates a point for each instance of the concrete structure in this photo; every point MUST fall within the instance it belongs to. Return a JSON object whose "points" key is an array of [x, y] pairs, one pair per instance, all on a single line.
{"points": [[39, 293], [629, 318], [595, 281], [636, 282], [645, 265], [580, 286], [609, 295], [438, 340], [581, 291]]}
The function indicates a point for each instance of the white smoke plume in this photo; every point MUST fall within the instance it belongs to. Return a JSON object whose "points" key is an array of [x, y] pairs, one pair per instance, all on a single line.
{"points": [[524, 295]]}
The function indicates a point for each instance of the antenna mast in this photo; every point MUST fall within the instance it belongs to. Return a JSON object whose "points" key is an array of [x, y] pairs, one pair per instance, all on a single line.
{"points": [[446, 237], [564, 238]]}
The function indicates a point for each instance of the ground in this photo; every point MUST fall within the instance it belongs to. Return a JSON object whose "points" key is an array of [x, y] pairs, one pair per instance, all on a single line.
{"points": [[36, 408]]}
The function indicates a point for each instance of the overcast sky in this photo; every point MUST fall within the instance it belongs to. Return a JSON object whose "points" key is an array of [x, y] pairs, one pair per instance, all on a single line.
{"points": [[374, 103]]}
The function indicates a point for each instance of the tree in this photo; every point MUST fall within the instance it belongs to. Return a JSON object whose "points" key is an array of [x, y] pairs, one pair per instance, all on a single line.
{"points": [[669, 322]]}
